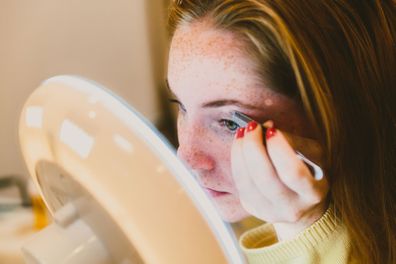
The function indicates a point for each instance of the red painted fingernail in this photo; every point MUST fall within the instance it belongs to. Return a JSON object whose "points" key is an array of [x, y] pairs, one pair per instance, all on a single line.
{"points": [[270, 132], [251, 126], [240, 132]]}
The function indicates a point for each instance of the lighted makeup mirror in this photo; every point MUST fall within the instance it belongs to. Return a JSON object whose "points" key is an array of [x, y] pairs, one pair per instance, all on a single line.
{"points": [[114, 186]]}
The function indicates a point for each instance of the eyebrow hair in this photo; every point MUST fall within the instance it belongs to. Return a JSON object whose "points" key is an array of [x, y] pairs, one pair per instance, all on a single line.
{"points": [[227, 102], [220, 102]]}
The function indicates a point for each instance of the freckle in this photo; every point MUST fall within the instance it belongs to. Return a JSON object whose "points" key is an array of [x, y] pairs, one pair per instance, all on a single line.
{"points": [[268, 102]]}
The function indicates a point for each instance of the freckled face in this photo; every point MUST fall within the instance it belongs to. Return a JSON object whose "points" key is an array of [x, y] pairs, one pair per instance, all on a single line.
{"points": [[211, 78]]}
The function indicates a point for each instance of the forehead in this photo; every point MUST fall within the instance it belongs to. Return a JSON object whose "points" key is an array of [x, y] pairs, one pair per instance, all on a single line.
{"points": [[201, 37], [205, 59]]}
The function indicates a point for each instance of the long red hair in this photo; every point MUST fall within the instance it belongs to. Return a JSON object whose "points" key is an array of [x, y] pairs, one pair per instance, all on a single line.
{"points": [[338, 58]]}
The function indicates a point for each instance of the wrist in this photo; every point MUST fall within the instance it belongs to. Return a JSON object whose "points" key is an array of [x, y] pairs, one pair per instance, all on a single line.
{"points": [[289, 230]]}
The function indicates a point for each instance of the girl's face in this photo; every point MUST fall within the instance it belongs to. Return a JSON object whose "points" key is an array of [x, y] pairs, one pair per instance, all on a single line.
{"points": [[211, 77]]}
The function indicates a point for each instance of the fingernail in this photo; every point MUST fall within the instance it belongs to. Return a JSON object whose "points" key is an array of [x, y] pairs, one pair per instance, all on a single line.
{"points": [[240, 132], [251, 126], [270, 132]]}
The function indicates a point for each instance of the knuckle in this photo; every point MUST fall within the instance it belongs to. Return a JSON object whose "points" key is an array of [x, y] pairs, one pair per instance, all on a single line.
{"points": [[316, 197], [295, 214]]}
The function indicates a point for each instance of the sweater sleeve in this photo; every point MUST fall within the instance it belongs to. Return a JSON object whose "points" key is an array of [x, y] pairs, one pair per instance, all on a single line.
{"points": [[326, 241]]}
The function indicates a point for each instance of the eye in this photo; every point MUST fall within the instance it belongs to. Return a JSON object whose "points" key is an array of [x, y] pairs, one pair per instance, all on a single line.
{"points": [[229, 124], [179, 104]]}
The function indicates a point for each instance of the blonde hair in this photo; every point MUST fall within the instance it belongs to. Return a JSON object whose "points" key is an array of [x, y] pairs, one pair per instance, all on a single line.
{"points": [[338, 59]]}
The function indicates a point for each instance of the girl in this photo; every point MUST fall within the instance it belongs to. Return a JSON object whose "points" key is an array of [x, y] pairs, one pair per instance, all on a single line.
{"points": [[320, 76]]}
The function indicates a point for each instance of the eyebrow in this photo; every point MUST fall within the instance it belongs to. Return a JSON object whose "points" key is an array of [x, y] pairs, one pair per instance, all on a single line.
{"points": [[220, 102], [228, 102]]}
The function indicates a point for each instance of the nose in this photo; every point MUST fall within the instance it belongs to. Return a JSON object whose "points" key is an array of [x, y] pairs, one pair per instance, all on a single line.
{"points": [[194, 150], [195, 159]]}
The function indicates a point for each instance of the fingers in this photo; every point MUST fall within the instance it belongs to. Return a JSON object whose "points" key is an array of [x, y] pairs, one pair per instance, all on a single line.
{"points": [[292, 171], [259, 165], [250, 197], [258, 186], [238, 167], [273, 183]]}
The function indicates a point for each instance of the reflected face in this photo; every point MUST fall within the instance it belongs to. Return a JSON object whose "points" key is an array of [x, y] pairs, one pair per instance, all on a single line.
{"points": [[211, 77]]}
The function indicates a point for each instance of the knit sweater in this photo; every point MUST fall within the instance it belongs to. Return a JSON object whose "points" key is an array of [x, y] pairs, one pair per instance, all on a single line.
{"points": [[326, 241]]}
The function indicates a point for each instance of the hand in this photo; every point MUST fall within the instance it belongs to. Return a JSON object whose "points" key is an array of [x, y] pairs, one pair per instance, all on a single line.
{"points": [[274, 185]]}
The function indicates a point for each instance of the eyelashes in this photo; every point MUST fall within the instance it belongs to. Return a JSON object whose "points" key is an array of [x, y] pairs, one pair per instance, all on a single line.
{"points": [[178, 103], [228, 124]]}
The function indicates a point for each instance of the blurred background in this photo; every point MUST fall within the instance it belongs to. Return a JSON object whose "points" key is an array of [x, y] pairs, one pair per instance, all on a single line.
{"points": [[121, 44]]}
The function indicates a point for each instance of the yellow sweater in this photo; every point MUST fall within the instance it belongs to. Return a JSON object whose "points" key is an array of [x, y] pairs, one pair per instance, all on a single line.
{"points": [[326, 241]]}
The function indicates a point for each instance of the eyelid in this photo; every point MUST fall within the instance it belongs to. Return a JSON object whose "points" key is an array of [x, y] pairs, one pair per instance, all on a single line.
{"points": [[229, 120]]}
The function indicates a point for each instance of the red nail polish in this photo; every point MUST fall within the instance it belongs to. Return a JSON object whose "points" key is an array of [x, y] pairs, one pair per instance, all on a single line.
{"points": [[251, 126], [240, 132], [270, 132]]}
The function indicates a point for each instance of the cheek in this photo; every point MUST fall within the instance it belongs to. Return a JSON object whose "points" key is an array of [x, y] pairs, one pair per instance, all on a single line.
{"points": [[223, 149], [202, 138], [220, 151], [203, 132], [199, 137]]}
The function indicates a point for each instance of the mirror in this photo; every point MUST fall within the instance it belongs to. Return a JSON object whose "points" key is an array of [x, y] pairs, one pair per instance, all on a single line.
{"points": [[113, 185]]}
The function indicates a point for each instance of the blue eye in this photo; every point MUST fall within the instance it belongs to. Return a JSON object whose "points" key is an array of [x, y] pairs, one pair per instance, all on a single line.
{"points": [[229, 124]]}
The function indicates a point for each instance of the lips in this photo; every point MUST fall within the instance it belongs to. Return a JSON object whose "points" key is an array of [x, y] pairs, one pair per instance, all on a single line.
{"points": [[206, 185], [215, 193]]}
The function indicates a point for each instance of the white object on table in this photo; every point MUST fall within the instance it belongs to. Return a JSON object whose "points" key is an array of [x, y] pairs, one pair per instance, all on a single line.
{"points": [[16, 227]]}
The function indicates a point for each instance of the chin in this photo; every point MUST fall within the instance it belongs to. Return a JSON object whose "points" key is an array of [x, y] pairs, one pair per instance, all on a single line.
{"points": [[231, 214], [233, 218]]}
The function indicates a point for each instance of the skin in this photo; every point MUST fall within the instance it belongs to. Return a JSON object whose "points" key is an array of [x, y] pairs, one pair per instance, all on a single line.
{"points": [[211, 77]]}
